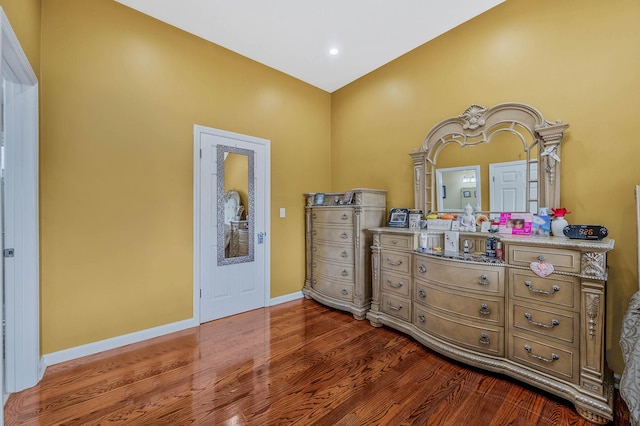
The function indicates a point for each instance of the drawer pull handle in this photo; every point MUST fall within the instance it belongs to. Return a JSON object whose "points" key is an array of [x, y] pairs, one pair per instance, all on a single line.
{"points": [[529, 318], [344, 273], [392, 263], [391, 284], [422, 293], [484, 339], [422, 269], [394, 242], [314, 248], [395, 308], [484, 280], [421, 317], [314, 232], [529, 284], [345, 216], [315, 216], [484, 309], [344, 235], [314, 281], [541, 259], [344, 254], [345, 291], [314, 265], [553, 358]]}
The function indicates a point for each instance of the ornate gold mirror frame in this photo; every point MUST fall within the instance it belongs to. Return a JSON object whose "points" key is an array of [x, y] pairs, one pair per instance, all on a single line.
{"points": [[477, 125]]}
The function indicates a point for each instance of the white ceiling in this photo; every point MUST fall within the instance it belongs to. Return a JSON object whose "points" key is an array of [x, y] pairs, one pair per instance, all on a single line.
{"points": [[294, 36]]}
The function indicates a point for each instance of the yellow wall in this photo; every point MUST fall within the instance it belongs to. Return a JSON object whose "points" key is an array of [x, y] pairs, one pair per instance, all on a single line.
{"points": [[121, 92], [576, 61], [120, 95], [24, 16]]}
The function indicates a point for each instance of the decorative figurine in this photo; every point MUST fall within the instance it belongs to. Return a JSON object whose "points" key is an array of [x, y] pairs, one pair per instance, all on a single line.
{"points": [[468, 221]]}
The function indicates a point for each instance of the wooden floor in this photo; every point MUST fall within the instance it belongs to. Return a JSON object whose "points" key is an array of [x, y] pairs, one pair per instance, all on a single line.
{"points": [[298, 363]]}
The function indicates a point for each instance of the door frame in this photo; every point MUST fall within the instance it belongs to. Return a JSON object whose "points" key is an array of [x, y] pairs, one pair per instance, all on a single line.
{"points": [[197, 282], [22, 367]]}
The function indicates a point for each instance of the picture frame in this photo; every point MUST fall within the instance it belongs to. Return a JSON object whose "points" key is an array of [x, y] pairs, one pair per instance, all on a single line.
{"points": [[466, 194], [318, 199], [347, 198], [398, 218]]}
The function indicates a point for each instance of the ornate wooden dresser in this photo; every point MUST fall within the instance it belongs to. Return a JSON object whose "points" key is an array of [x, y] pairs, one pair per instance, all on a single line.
{"points": [[499, 315], [338, 272]]}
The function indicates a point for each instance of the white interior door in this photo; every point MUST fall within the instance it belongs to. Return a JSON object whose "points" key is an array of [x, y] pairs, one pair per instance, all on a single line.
{"points": [[230, 285], [508, 186]]}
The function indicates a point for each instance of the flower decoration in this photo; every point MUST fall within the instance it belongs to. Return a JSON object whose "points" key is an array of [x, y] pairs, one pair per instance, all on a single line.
{"points": [[560, 212]]}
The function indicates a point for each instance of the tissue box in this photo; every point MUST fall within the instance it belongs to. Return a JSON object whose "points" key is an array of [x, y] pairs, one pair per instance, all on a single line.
{"points": [[439, 224], [515, 223]]}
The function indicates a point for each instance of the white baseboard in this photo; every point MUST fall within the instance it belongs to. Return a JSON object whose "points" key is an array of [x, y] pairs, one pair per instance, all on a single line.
{"points": [[286, 298], [115, 342], [138, 336]]}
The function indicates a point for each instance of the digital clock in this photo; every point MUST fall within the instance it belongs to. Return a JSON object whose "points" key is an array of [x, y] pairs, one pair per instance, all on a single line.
{"points": [[585, 232]]}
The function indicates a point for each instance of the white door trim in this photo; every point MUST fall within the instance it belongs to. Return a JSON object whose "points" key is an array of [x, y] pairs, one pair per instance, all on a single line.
{"points": [[197, 130], [23, 368]]}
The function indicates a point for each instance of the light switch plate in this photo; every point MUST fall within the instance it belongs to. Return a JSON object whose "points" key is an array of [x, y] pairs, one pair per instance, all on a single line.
{"points": [[283, 213]]}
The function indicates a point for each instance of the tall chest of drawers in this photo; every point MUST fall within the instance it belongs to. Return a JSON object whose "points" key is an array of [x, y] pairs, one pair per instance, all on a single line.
{"points": [[545, 330], [338, 271]]}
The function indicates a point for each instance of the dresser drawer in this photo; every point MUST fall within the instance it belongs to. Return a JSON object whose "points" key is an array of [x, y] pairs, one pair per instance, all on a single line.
{"points": [[555, 289], [469, 306], [555, 324], [332, 215], [344, 272], [561, 259], [333, 252], [342, 234], [333, 288], [558, 360], [395, 283], [395, 261], [480, 278], [397, 241], [488, 339], [396, 306]]}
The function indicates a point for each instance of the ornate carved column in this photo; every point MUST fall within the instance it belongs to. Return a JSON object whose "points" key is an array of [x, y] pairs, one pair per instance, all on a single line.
{"points": [[551, 135]]}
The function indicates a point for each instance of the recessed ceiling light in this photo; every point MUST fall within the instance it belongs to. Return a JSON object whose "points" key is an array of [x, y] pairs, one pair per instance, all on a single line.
{"points": [[333, 51]]}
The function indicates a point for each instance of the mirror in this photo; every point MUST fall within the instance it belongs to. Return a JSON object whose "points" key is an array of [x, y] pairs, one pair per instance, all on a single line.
{"points": [[491, 138], [457, 187], [235, 197]]}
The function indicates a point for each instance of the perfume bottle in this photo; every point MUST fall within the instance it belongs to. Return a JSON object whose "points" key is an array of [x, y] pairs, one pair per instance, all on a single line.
{"points": [[466, 246], [499, 253]]}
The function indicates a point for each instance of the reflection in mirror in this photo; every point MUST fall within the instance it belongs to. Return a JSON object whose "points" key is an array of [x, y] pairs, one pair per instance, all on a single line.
{"points": [[457, 187], [235, 195], [481, 136]]}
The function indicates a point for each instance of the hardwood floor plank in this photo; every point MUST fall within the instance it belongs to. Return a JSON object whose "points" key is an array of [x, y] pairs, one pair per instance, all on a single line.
{"points": [[298, 363]]}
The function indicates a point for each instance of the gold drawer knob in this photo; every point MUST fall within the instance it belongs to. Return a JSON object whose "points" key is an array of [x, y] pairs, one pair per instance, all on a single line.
{"points": [[345, 216], [344, 235], [345, 291], [344, 273], [421, 268], [421, 318], [344, 254], [422, 293]]}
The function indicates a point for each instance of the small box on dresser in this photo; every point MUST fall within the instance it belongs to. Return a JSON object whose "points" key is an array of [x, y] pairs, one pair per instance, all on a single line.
{"points": [[338, 264]]}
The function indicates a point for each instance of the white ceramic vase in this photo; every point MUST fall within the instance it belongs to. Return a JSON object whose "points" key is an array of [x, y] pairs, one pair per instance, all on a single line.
{"points": [[557, 225]]}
